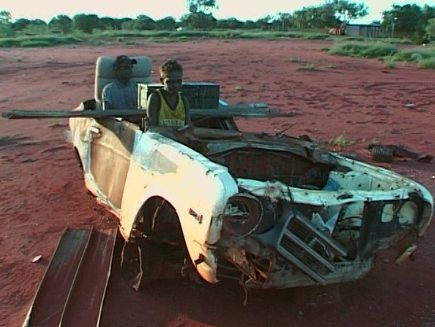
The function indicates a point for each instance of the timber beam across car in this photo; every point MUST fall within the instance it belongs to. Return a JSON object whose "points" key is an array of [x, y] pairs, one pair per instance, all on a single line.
{"points": [[227, 111]]}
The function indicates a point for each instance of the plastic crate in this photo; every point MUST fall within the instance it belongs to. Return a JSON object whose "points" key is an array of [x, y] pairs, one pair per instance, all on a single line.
{"points": [[200, 95]]}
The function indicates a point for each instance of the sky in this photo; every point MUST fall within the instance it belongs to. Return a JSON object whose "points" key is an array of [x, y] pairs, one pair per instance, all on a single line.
{"points": [[241, 9]]}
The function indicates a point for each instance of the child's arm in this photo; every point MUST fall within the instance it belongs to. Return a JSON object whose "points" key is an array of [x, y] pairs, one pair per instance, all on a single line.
{"points": [[187, 110], [153, 107]]}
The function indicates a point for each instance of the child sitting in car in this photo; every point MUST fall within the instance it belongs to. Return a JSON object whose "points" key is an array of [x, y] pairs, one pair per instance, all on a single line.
{"points": [[168, 106]]}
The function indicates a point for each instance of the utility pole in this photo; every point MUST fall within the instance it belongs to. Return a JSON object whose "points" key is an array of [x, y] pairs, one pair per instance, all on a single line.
{"points": [[393, 25]]}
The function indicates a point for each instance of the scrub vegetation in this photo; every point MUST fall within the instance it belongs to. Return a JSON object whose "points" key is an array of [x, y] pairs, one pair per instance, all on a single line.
{"points": [[423, 56], [341, 141], [407, 24], [363, 49], [37, 41]]}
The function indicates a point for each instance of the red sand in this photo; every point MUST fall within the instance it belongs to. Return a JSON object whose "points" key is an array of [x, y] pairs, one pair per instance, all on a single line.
{"points": [[42, 189]]}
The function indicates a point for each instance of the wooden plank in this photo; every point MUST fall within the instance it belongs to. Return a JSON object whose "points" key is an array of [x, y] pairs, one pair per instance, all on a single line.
{"points": [[239, 112], [224, 112], [29, 114]]}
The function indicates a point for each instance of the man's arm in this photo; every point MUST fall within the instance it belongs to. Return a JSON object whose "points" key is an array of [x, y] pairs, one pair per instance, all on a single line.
{"points": [[106, 97], [153, 108]]}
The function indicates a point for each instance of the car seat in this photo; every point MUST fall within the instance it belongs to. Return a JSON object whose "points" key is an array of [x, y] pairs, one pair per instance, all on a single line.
{"points": [[104, 74]]}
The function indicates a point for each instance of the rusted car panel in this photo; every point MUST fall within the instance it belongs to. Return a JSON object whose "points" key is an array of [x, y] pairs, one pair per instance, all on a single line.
{"points": [[273, 211], [80, 266]]}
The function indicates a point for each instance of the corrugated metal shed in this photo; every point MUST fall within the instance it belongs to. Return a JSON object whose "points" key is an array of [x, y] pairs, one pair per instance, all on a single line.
{"points": [[365, 30]]}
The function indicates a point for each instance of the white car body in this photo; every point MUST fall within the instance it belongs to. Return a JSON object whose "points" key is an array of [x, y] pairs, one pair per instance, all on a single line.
{"points": [[126, 167]]}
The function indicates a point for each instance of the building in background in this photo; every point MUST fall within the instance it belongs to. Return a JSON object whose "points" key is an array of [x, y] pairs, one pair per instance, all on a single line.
{"points": [[365, 30]]}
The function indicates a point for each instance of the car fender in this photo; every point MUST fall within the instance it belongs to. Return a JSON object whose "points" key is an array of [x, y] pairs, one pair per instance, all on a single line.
{"points": [[197, 188]]}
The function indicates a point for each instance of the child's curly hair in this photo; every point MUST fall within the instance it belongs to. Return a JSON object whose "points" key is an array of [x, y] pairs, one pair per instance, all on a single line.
{"points": [[170, 65]]}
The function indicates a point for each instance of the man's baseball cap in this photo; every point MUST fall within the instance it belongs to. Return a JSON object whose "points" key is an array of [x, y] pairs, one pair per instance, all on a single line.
{"points": [[123, 59]]}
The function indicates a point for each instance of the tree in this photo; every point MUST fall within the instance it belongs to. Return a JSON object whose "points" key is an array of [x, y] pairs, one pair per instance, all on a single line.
{"points": [[199, 16], [265, 23], [249, 24], [332, 13], [408, 21], [143, 22], [204, 6], [20, 24], [61, 23], [301, 18], [430, 28], [283, 21], [5, 17], [86, 23], [36, 27], [5, 24], [345, 10], [198, 20], [316, 17], [325, 16], [127, 24], [230, 23], [117, 23], [428, 12], [167, 23], [109, 23]]}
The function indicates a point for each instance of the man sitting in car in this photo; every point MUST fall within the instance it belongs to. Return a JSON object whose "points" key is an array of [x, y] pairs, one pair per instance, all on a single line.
{"points": [[168, 106], [121, 93]]}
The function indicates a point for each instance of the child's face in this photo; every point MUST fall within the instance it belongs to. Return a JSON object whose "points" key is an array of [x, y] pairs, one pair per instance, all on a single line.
{"points": [[172, 81]]}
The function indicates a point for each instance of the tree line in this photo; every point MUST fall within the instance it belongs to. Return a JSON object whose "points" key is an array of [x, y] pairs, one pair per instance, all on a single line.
{"points": [[408, 20]]}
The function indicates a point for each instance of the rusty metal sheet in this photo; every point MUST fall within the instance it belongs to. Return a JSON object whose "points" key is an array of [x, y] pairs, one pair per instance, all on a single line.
{"points": [[87, 296], [53, 292], [73, 288]]}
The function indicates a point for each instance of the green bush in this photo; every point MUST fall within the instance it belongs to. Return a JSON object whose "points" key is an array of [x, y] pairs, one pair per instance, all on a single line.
{"points": [[6, 30], [428, 63], [397, 40], [361, 49], [348, 38], [424, 57], [9, 43], [37, 41], [389, 62], [414, 55], [378, 50], [35, 44], [316, 36], [118, 34]]}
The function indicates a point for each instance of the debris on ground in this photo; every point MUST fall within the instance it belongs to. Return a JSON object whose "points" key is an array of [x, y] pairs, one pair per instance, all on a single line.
{"points": [[37, 258], [385, 153]]}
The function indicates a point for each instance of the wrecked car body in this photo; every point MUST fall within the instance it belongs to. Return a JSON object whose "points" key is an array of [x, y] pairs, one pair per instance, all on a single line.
{"points": [[273, 211], [270, 211]]}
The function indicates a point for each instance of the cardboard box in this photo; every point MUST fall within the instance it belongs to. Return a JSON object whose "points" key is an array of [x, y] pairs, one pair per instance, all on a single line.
{"points": [[200, 95]]}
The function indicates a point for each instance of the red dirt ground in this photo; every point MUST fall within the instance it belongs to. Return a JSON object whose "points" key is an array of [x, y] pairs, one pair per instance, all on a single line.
{"points": [[42, 189]]}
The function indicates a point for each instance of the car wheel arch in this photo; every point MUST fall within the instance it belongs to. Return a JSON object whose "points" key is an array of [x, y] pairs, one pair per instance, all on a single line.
{"points": [[157, 215], [153, 247]]}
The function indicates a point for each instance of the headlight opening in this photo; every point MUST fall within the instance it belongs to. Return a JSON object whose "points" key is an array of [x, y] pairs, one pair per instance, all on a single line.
{"points": [[242, 215]]}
